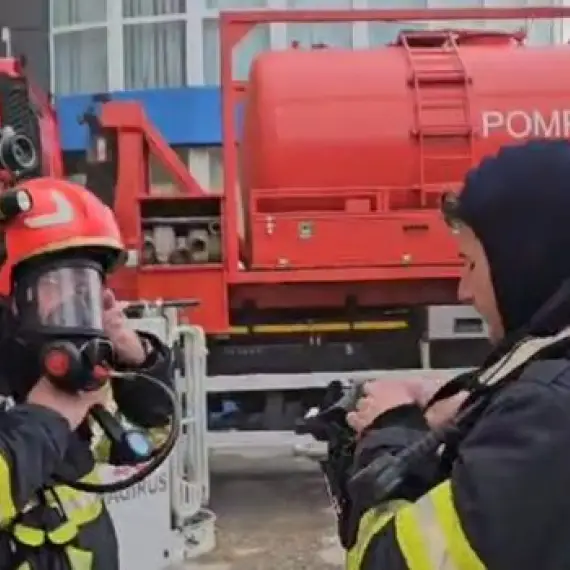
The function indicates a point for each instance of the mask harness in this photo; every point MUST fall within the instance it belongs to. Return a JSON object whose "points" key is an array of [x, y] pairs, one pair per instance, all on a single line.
{"points": [[58, 301]]}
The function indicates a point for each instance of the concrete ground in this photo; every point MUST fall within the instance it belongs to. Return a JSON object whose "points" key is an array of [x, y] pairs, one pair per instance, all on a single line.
{"points": [[273, 514]]}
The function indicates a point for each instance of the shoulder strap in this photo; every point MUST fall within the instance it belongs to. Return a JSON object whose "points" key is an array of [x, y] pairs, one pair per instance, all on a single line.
{"points": [[510, 365], [544, 370]]}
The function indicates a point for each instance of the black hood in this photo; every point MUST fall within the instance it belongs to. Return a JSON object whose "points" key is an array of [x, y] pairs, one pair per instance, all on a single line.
{"points": [[518, 205], [20, 366]]}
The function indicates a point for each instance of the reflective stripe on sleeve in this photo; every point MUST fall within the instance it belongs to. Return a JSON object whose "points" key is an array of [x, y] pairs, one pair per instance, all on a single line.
{"points": [[370, 524], [428, 532], [7, 507], [79, 559], [430, 535]]}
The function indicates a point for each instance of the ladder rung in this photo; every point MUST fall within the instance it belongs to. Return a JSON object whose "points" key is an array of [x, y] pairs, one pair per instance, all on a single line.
{"points": [[437, 70], [445, 131], [438, 104], [430, 52], [438, 67], [439, 78], [432, 59], [447, 158]]}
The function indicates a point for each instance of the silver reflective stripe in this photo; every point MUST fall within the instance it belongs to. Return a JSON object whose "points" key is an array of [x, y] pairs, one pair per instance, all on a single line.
{"points": [[81, 501], [435, 540], [519, 356]]}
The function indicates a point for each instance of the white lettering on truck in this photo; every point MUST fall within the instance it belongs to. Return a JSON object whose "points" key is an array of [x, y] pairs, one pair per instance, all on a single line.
{"points": [[153, 484], [520, 124]]}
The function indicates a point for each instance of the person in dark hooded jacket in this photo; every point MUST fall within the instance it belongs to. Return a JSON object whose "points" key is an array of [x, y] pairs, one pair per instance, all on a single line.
{"points": [[498, 498]]}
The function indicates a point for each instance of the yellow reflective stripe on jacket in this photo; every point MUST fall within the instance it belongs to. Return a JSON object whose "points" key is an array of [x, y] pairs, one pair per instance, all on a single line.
{"points": [[63, 534], [79, 559], [29, 535], [158, 435], [79, 506], [428, 532], [457, 543], [370, 524], [36, 537], [102, 450], [430, 536], [24, 566], [7, 507]]}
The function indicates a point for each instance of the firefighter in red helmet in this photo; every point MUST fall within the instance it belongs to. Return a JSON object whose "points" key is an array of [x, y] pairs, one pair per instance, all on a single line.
{"points": [[58, 243]]}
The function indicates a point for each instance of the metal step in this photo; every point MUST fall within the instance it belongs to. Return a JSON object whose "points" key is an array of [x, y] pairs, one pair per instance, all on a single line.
{"points": [[447, 158], [445, 131], [439, 78], [439, 104]]}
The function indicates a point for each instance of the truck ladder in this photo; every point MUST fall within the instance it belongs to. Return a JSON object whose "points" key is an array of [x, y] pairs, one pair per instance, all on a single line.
{"points": [[443, 125]]}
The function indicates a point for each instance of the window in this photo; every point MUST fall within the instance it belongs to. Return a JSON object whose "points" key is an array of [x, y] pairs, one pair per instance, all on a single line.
{"points": [[146, 8], [505, 25], [72, 12], [314, 34], [80, 61], [382, 33], [160, 179], [80, 54], [256, 41], [155, 55], [470, 24], [216, 169], [539, 32]]}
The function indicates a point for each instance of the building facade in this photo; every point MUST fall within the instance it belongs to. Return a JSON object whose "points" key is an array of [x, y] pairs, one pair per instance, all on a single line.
{"points": [[165, 53], [29, 35]]}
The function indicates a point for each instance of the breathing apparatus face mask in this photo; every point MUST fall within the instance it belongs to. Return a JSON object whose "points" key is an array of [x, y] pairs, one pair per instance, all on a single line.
{"points": [[58, 309], [61, 301]]}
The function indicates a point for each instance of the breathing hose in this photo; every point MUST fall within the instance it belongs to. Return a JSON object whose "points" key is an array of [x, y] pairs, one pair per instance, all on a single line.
{"points": [[149, 460]]}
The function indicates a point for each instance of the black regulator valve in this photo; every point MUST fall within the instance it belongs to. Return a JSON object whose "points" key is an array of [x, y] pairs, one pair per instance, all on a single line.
{"points": [[64, 366]]}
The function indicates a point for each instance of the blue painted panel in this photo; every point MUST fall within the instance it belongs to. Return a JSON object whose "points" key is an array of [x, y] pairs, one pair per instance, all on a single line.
{"points": [[189, 116]]}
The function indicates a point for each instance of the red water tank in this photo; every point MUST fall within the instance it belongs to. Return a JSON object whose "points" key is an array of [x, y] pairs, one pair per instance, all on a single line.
{"points": [[414, 114], [345, 154]]}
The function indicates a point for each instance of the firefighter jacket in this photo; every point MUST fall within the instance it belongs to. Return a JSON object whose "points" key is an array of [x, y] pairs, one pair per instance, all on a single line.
{"points": [[47, 526], [501, 504]]}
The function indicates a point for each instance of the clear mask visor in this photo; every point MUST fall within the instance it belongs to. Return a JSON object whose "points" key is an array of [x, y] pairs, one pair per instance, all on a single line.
{"points": [[65, 297]]}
